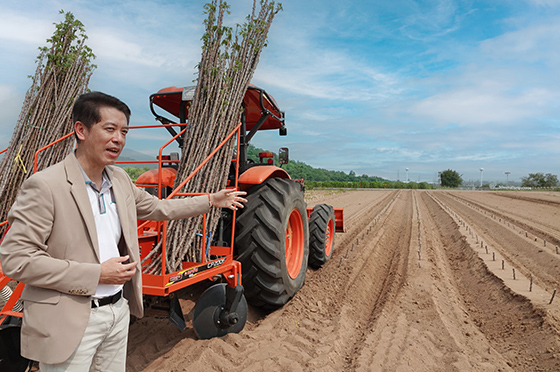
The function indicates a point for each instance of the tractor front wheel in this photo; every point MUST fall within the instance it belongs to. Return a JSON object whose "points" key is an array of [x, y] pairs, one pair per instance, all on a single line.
{"points": [[272, 242]]}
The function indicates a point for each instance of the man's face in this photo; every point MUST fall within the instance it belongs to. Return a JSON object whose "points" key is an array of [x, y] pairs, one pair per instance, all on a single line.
{"points": [[104, 141]]}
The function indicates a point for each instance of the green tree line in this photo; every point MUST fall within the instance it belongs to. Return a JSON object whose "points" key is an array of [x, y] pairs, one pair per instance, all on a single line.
{"points": [[319, 178], [540, 180], [135, 172], [300, 170]]}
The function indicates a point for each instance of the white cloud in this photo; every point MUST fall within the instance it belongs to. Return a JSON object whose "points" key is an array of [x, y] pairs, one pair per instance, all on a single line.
{"points": [[429, 20], [479, 106], [329, 75], [534, 43], [107, 45], [510, 80], [24, 29]]}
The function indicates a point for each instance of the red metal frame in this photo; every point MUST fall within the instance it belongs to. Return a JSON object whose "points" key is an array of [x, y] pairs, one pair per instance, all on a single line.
{"points": [[46, 147], [150, 232], [338, 219], [9, 305]]}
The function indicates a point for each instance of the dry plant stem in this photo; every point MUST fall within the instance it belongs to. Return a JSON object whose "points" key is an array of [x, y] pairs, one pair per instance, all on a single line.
{"points": [[63, 73], [225, 70]]}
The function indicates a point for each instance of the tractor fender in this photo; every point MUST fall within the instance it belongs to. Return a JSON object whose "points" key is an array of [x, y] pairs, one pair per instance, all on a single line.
{"points": [[258, 174], [150, 178]]}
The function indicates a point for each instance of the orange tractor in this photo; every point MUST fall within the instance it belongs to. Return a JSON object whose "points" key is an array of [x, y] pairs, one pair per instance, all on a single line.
{"points": [[270, 243]]}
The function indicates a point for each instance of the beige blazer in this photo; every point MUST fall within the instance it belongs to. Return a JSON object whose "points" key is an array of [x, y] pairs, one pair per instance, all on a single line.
{"points": [[52, 247]]}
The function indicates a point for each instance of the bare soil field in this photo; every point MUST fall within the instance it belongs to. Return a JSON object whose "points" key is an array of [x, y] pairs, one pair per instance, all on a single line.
{"points": [[421, 281]]}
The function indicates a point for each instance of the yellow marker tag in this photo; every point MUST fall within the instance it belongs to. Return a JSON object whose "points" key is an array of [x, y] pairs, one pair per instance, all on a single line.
{"points": [[18, 157]]}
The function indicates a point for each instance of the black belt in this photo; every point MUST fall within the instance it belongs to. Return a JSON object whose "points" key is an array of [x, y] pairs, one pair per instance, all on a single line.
{"points": [[107, 300]]}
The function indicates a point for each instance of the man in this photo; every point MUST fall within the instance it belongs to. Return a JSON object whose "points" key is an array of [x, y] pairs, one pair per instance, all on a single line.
{"points": [[72, 240]]}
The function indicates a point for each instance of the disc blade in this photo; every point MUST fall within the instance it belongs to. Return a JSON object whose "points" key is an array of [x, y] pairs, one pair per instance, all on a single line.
{"points": [[206, 314]]}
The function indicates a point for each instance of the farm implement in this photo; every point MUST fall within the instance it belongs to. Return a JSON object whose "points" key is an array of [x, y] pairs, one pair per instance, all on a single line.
{"points": [[258, 255]]}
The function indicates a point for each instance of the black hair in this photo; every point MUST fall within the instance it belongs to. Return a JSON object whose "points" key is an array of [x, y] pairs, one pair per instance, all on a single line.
{"points": [[86, 107]]}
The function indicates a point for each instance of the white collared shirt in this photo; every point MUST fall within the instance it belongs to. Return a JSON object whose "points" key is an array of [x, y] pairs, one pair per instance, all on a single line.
{"points": [[107, 224]]}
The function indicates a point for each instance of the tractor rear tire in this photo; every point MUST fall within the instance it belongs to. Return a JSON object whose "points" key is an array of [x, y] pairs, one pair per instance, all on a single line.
{"points": [[272, 242], [321, 235]]}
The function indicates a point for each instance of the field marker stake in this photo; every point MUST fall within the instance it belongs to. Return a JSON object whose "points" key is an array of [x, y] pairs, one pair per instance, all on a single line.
{"points": [[486, 249], [493, 256], [340, 263], [552, 298], [556, 249], [346, 253], [503, 265], [531, 285], [513, 274]]}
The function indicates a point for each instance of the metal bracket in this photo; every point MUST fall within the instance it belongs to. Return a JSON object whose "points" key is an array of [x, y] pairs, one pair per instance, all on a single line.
{"points": [[176, 313]]}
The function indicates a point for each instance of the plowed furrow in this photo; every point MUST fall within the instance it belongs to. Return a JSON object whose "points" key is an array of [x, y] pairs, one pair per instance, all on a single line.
{"points": [[544, 224], [510, 323], [530, 257], [531, 199], [407, 289]]}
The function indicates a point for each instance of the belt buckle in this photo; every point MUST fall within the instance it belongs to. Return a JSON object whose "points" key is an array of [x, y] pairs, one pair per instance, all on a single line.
{"points": [[106, 300]]}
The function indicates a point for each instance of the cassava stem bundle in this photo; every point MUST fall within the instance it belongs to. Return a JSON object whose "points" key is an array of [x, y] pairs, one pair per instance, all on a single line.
{"points": [[63, 72], [227, 65]]}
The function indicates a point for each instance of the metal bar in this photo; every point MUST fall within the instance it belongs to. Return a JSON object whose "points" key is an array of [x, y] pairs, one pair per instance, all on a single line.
{"points": [[46, 147], [174, 192]]}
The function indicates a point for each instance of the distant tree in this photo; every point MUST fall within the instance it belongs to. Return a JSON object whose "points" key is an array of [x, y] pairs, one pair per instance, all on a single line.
{"points": [[399, 185], [540, 180], [450, 178], [135, 172], [253, 153]]}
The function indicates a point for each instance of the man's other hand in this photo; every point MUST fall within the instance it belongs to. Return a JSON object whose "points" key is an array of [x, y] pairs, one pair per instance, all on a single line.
{"points": [[114, 271]]}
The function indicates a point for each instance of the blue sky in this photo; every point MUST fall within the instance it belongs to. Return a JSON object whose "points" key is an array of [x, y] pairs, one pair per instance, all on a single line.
{"points": [[369, 86]]}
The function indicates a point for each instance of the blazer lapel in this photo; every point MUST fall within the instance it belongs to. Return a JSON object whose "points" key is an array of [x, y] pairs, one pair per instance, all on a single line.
{"points": [[79, 193]]}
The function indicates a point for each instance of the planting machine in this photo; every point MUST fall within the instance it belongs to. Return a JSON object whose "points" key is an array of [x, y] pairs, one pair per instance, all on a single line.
{"points": [[270, 243]]}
